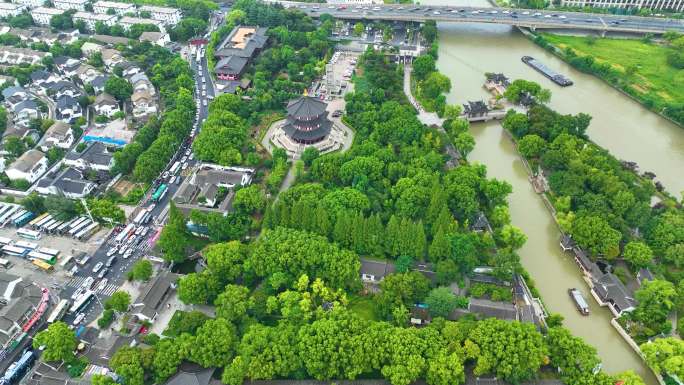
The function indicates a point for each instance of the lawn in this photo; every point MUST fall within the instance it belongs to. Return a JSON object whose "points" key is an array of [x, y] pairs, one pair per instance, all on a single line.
{"points": [[653, 76], [363, 306]]}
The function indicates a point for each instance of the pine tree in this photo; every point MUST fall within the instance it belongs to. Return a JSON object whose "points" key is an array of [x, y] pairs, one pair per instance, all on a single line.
{"points": [[444, 222], [283, 215], [419, 241], [308, 217], [358, 234], [269, 221], [439, 248], [405, 244], [322, 221], [375, 234], [392, 234], [297, 216], [342, 230], [438, 200]]}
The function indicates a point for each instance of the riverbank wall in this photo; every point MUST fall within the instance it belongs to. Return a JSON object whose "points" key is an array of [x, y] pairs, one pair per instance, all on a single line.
{"points": [[552, 210], [558, 53]]}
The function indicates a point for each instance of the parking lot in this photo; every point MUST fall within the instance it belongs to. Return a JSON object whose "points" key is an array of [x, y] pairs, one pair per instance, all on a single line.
{"points": [[337, 80]]}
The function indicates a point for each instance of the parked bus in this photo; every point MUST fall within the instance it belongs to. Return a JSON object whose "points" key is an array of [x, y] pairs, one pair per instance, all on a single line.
{"points": [[15, 251], [59, 311], [4, 217], [159, 194], [65, 261], [77, 222], [125, 233], [36, 255], [42, 265], [76, 229], [26, 245], [5, 241], [29, 234], [62, 228], [88, 232], [24, 219], [81, 302], [47, 224], [174, 168], [18, 214], [43, 221], [38, 219], [4, 263], [53, 226], [48, 251]]}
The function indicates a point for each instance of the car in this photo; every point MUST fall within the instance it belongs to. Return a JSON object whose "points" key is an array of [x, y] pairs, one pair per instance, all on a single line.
{"points": [[537, 14], [493, 12], [77, 293], [475, 12], [83, 260], [526, 13], [165, 175], [505, 12], [79, 318], [562, 17], [179, 180], [128, 254], [102, 273], [122, 250], [204, 102], [188, 152], [185, 158], [73, 271], [97, 267], [514, 16], [331, 7], [436, 12], [173, 179], [111, 251], [87, 283], [547, 16], [184, 166]]}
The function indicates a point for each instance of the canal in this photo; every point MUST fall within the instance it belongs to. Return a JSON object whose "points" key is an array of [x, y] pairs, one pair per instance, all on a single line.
{"points": [[466, 52]]}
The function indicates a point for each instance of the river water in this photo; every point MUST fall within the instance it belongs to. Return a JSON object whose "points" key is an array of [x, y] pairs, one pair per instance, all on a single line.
{"points": [[629, 131]]}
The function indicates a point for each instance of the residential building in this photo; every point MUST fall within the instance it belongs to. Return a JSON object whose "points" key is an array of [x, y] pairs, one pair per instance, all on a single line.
{"points": [[201, 189], [24, 111], [106, 39], [59, 135], [141, 82], [167, 15], [11, 9], [612, 293], [144, 104], [152, 297], [643, 275], [4, 79], [12, 55], [191, 374], [29, 166], [68, 109], [98, 83], [106, 105], [116, 7], [14, 95], [111, 57], [67, 65], [30, 3], [158, 38], [70, 182], [66, 5], [95, 157], [43, 15], [63, 88], [89, 48], [354, 2], [86, 73], [657, 5], [91, 19], [23, 299], [127, 22], [375, 271], [237, 49], [128, 69]]}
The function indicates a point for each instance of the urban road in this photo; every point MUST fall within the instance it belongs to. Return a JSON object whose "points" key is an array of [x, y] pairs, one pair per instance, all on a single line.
{"points": [[532, 19]]}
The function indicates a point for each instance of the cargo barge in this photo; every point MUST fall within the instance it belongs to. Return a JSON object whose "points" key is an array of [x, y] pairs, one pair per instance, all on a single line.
{"points": [[579, 300], [546, 71]]}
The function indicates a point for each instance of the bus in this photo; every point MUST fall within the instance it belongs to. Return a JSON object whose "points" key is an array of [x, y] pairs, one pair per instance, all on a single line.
{"points": [[59, 311], [29, 234], [140, 218], [125, 233], [53, 226], [36, 255], [14, 251], [65, 261], [4, 263], [82, 301], [18, 214], [38, 225], [26, 245], [174, 168], [88, 232], [48, 251], [5, 241], [76, 229], [7, 214], [42, 265], [159, 194], [37, 219], [62, 228], [47, 224], [77, 222], [24, 219]]}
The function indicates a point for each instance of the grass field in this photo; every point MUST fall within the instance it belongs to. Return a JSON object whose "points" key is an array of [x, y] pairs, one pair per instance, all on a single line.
{"points": [[363, 306], [652, 75]]}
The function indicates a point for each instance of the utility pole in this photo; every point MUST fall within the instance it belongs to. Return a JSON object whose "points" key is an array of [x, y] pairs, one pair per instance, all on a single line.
{"points": [[85, 205]]}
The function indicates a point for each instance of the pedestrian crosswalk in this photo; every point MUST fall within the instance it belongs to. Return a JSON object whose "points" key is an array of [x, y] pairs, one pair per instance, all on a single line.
{"points": [[106, 291]]}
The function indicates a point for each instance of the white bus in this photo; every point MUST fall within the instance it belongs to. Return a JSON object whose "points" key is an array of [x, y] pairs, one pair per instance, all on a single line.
{"points": [[14, 251], [140, 218], [175, 167], [48, 251], [88, 232], [43, 221], [62, 228], [49, 259], [5, 241], [76, 229], [7, 214], [124, 233], [77, 222], [18, 214], [65, 261], [38, 219], [28, 234], [59, 311], [26, 245], [47, 224], [82, 301], [54, 226]]}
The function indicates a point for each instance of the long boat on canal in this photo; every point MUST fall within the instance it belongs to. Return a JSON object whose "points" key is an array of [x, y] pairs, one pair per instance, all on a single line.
{"points": [[555, 77], [579, 300]]}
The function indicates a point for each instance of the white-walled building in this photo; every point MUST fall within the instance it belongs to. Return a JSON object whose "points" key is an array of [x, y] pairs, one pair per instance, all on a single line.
{"points": [[670, 5], [11, 9], [43, 15], [167, 15], [158, 38], [30, 3], [78, 5], [119, 8], [30, 166], [127, 22], [90, 19]]}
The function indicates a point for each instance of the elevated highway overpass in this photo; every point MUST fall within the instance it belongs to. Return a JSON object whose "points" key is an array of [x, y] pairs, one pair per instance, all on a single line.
{"points": [[528, 18]]}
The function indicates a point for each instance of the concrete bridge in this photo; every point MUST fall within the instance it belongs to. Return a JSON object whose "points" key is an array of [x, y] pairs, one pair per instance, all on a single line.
{"points": [[532, 19]]}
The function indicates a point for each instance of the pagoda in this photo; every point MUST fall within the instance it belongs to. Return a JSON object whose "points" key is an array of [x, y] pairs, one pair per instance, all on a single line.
{"points": [[307, 120]]}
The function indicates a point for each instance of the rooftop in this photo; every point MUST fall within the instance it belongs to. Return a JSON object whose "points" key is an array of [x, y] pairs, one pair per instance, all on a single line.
{"points": [[93, 16], [152, 295], [27, 160], [113, 4], [95, 153], [48, 11], [138, 20], [152, 8]]}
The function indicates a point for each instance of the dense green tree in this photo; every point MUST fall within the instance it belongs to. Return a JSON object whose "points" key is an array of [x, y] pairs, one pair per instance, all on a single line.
{"points": [[441, 302], [638, 254], [445, 369], [99, 379], [174, 236], [249, 199], [198, 288], [233, 303], [59, 341], [119, 88], [401, 289], [596, 235], [655, 301], [531, 146], [422, 66], [214, 344], [34, 203], [571, 355], [141, 271], [119, 301]]}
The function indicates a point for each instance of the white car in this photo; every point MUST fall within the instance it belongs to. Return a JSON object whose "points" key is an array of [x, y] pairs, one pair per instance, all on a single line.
{"points": [[526, 13], [123, 250], [184, 159], [76, 293], [111, 251], [97, 267], [547, 16], [165, 175], [128, 254], [79, 318], [505, 12], [188, 152], [184, 166], [562, 17], [87, 283]]}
